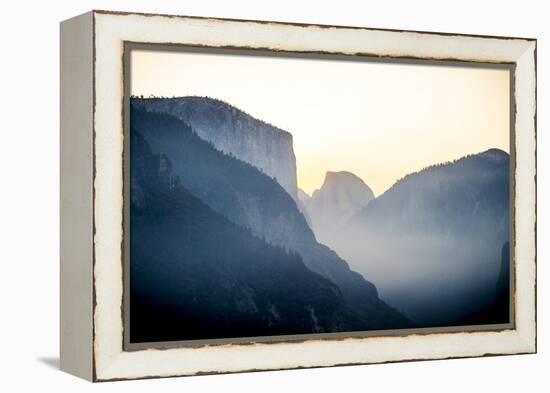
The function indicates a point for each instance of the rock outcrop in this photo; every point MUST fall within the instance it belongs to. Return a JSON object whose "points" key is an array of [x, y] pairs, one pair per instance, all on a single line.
{"points": [[234, 132], [341, 196]]}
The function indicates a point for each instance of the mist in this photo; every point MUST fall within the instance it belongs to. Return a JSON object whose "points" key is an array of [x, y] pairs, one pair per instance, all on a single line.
{"points": [[433, 243]]}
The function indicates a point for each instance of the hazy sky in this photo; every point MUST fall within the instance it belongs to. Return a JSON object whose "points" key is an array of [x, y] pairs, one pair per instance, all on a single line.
{"points": [[380, 121]]}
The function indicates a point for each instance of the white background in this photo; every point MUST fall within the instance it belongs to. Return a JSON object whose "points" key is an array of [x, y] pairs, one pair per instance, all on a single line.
{"points": [[29, 197]]}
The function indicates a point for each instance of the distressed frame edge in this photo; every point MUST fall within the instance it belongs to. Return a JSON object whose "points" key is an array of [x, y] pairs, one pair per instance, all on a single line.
{"points": [[305, 25], [527, 65], [76, 196], [528, 339]]}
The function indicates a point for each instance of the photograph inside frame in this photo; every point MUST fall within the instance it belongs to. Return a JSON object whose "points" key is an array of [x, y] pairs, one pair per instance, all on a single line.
{"points": [[272, 195]]}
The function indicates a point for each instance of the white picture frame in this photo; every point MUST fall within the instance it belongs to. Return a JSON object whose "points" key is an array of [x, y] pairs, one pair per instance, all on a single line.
{"points": [[92, 194]]}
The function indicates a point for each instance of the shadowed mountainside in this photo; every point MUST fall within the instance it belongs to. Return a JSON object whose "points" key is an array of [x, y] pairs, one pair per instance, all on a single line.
{"points": [[255, 202], [432, 242], [195, 275]]}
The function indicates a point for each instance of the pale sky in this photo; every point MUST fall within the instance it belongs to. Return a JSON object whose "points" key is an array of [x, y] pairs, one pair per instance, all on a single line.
{"points": [[380, 121]]}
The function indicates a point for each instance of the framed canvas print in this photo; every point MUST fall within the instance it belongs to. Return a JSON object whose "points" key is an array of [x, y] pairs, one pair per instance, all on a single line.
{"points": [[245, 195]]}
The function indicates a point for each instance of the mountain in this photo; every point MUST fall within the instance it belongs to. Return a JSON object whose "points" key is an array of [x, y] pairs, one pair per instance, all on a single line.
{"points": [[233, 132], [252, 200], [432, 241], [341, 196], [195, 275]]}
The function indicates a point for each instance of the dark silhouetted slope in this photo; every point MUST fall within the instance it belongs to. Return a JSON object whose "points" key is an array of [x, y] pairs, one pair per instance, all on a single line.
{"points": [[195, 275], [252, 200]]}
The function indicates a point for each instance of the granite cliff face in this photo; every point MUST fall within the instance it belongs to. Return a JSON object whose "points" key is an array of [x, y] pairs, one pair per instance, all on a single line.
{"points": [[234, 132]]}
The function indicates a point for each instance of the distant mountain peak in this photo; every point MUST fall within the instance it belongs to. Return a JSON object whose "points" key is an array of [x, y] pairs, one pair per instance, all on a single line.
{"points": [[340, 173], [332, 177], [344, 182], [340, 197]]}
